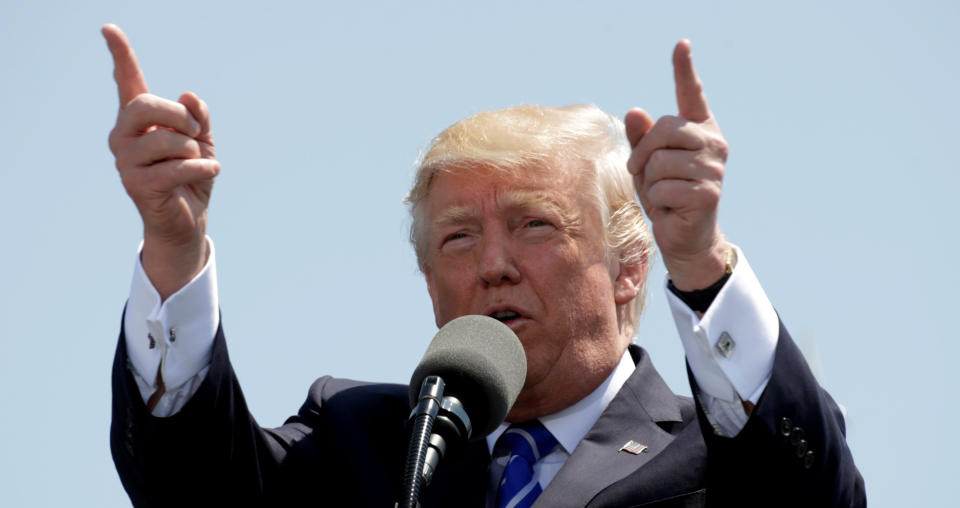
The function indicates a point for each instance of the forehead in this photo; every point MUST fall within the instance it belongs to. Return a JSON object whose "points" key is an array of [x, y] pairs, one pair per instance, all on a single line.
{"points": [[469, 187]]}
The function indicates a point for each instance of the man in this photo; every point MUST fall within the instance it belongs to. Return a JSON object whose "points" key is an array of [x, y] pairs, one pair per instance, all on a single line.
{"points": [[525, 215]]}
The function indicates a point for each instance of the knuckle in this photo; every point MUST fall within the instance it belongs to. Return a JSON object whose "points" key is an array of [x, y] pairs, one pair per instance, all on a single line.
{"points": [[711, 198], [717, 170], [165, 141], [708, 165], [641, 157], [140, 102], [657, 159], [113, 141], [708, 193], [668, 122], [656, 195], [719, 146], [187, 147], [129, 157]]}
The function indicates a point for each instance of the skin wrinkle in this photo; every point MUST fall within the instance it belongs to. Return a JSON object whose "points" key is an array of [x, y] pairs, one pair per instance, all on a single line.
{"points": [[484, 253], [515, 202]]}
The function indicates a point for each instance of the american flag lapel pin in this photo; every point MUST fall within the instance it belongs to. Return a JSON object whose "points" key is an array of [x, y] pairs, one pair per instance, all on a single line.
{"points": [[633, 447]]}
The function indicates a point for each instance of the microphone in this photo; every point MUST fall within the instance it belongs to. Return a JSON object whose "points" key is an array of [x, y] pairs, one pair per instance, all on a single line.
{"points": [[462, 390]]}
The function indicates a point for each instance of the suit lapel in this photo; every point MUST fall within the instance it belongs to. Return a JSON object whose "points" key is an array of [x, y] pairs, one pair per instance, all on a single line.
{"points": [[596, 463]]}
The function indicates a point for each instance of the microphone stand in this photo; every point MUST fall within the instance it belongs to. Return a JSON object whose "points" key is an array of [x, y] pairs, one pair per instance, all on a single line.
{"points": [[437, 419]]}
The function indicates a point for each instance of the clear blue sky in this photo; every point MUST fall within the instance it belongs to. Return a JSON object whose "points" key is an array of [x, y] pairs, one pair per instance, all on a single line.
{"points": [[841, 189]]}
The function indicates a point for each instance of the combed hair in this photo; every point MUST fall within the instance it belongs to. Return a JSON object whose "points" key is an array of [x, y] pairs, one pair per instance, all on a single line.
{"points": [[515, 139]]}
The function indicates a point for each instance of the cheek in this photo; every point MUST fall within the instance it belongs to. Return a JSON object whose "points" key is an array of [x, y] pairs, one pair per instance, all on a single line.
{"points": [[587, 300], [449, 294], [582, 275]]}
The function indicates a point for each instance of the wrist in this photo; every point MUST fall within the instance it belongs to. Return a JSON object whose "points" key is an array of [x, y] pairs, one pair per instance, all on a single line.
{"points": [[702, 270], [699, 300], [170, 267]]}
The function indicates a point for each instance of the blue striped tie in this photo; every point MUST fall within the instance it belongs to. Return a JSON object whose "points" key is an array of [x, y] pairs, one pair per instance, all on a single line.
{"points": [[527, 442]]}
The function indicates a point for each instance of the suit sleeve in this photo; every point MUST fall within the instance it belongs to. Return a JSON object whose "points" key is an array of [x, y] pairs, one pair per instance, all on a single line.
{"points": [[730, 348], [792, 450], [210, 453], [346, 437], [173, 337]]}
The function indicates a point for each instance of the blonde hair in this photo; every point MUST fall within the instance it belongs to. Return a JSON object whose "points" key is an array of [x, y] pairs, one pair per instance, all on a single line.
{"points": [[513, 140]]}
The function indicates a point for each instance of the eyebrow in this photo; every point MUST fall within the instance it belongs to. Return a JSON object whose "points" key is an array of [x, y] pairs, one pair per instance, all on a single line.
{"points": [[523, 200], [510, 200], [455, 215]]}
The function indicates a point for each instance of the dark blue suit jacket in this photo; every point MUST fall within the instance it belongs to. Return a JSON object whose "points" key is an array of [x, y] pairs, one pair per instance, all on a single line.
{"points": [[349, 439]]}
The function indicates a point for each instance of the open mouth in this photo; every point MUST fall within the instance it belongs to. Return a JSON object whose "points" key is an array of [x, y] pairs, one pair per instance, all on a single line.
{"points": [[505, 316]]}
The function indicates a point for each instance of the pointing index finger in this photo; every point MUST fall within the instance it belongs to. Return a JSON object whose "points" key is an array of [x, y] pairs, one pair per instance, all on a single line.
{"points": [[691, 101], [126, 70]]}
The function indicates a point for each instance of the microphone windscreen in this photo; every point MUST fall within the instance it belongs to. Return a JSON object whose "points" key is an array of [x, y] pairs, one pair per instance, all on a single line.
{"points": [[482, 363]]}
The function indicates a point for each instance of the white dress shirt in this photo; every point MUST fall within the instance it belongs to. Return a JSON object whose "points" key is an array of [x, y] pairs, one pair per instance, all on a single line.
{"points": [[730, 351], [568, 426]]}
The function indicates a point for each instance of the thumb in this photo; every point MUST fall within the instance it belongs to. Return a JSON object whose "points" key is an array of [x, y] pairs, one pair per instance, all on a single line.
{"points": [[638, 122]]}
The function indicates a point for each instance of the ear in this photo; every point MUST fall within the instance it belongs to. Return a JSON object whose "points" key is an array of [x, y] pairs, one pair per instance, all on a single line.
{"points": [[628, 282], [432, 289]]}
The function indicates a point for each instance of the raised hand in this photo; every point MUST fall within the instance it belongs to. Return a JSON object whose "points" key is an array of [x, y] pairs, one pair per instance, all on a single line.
{"points": [[678, 164], [164, 153]]}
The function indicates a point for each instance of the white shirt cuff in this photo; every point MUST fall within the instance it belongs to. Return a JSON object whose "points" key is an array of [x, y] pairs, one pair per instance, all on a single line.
{"points": [[742, 320], [174, 336]]}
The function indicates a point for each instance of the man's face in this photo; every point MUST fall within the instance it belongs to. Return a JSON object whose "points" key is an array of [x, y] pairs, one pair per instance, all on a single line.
{"points": [[530, 252]]}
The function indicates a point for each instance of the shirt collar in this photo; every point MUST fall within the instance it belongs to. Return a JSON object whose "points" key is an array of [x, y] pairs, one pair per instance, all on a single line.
{"points": [[571, 424]]}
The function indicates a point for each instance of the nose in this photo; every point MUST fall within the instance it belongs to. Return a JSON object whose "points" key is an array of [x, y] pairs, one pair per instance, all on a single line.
{"points": [[496, 263]]}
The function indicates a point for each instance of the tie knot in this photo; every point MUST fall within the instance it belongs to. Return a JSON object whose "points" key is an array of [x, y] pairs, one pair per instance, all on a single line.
{"points": [[530, 440]]}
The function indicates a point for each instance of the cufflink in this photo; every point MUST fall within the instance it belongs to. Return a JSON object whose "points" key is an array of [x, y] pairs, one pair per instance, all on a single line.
{"points": [[725, 345]]}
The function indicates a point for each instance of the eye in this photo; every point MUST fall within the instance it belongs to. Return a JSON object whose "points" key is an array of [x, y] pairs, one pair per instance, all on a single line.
{"points": [[457, 240], [536, 223], [455, 236], [535, 229]]}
